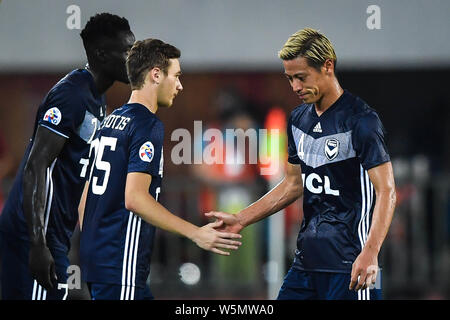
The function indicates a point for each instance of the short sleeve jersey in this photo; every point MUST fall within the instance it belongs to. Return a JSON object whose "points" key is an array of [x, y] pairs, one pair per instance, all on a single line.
{"points": [[335, 150], [74, 110], [116, 244]]}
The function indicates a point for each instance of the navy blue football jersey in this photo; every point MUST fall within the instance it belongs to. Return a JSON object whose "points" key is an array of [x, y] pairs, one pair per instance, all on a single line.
{"points": [[116, 244], [74, 110], [335, 150]]}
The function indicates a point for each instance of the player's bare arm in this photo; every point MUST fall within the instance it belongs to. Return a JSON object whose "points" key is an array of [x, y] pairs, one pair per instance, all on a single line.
{"points": [[286, 192], [82, 204], [139, 201], [366, 264], [46, 147]]}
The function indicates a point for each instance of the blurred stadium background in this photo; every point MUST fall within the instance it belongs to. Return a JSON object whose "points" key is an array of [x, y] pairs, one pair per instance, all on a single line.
{"points": [[233, 79]]}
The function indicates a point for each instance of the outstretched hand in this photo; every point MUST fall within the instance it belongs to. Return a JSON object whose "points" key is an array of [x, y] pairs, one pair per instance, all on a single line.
{"points": [[42, 266], [209, 238], [231, 221]]}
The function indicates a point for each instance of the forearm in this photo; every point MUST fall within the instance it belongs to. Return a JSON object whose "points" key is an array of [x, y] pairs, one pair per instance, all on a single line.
{"points": [[82, 204], [46, 147], [275, 200], [381, 220], [34, 202], [154, 213]]}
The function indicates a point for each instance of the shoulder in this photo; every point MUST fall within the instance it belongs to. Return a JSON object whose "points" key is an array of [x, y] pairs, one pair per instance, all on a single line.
{"points": [[69, 88], [145, 123], [361, 114], [367, 123], [367, 118]]}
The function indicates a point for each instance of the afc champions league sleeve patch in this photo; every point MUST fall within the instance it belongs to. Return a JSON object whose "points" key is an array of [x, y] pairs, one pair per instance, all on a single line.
{"points": [[53, 115], [146, 152]]}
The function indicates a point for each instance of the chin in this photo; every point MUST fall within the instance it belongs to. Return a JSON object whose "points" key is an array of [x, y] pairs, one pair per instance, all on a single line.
{"points": [[310, 99], [166, 104]]}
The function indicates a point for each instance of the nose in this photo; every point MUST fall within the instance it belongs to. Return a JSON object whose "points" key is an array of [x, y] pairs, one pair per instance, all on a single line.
{"points": [[297, 85], [180, 86]]}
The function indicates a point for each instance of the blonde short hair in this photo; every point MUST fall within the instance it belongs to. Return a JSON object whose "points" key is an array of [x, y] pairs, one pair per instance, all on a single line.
{"points": [[310, 44]]}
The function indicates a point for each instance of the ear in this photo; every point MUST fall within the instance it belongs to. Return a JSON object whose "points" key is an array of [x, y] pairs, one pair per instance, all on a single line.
{"points": [[155, 75], [329, 66]]}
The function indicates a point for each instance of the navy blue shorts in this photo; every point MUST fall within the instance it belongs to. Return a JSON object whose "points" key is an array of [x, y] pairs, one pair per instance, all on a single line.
{"points": [[105, 291], [305, 285], [16, 280]]}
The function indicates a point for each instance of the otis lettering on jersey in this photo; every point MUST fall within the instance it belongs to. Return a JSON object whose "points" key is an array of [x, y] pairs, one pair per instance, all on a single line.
{"points": [[115, 122]]}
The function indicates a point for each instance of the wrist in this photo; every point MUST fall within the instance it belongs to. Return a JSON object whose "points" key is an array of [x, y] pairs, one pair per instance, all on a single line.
{"points": [[241, 219], [37, 245], [38, 240], [371, 249], [191, 232]]}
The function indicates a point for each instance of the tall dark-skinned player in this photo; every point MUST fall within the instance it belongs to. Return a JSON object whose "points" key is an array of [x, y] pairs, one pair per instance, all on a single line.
{"points": [[40, 214]]}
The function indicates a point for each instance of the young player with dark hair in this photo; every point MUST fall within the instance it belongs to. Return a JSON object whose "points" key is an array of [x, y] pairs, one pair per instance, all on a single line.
{"points": [[120, 199]]}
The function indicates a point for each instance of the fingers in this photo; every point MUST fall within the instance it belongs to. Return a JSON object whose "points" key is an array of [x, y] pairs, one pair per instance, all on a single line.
{"points": [[361, 280], [358, 278], [226, 243], [229, 242], [368, 282], [227, 246], [223, 240], [215, 224], [44, 280], [229, 235], [372, 278], [354, 278], [47, 278], [219, 215], [353, 282], [50, 277], [223, 253], [213, 214]]}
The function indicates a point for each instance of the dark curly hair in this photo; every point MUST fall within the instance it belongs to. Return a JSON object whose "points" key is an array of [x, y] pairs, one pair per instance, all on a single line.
{"points": [[102, 25], [146, 55]]}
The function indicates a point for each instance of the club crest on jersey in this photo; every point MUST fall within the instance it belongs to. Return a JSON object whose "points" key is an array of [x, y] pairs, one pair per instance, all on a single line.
{"points": [[146, 152], [331, 148], [53, 115]]}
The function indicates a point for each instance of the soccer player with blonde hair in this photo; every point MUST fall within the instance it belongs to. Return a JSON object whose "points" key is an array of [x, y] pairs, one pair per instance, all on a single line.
{"points": [[339, 163]]}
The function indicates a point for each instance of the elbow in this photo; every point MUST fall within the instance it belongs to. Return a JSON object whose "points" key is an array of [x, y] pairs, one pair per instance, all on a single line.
{"points": [[295, 188], [131, 201], [393, 197], [390, 197]]}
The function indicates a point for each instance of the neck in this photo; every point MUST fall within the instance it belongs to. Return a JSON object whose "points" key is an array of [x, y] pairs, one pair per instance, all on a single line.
{"points": [[102, 82], [331, 95], [145, 97]]}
